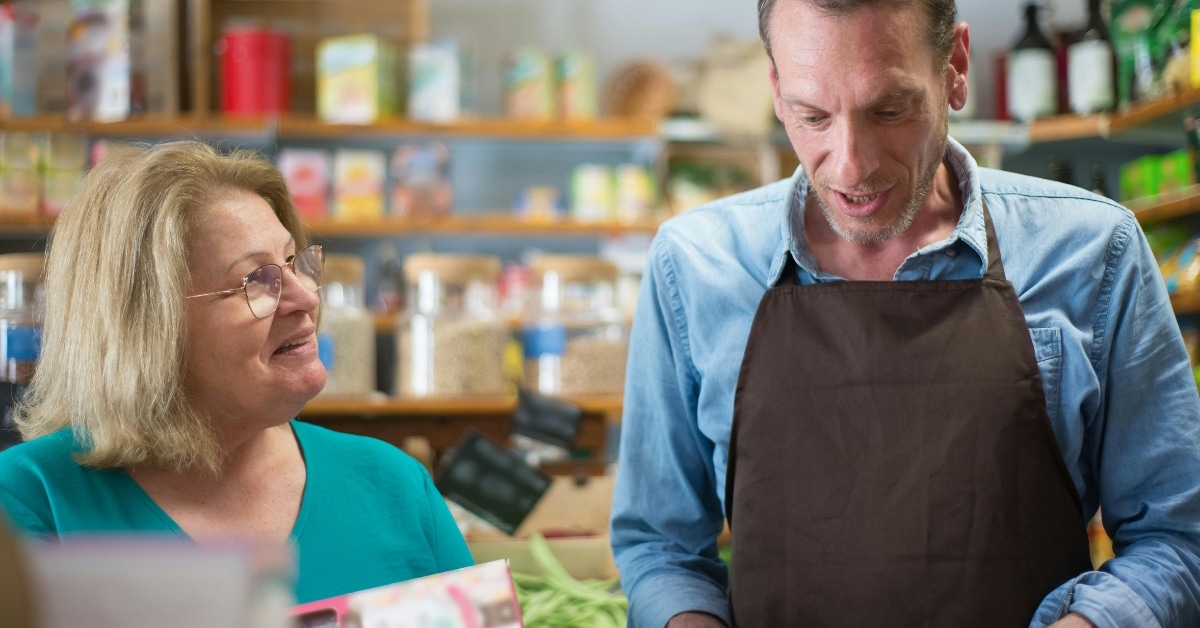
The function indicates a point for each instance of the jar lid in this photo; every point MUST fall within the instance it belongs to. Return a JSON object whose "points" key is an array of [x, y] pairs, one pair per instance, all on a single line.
{"points": [[29, 264], [452, 268], [573, 268], [341, 268]]}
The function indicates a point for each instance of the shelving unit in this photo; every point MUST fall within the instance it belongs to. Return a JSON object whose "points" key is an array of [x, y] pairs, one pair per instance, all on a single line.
{"points": [[299, 127], [444, 421]]}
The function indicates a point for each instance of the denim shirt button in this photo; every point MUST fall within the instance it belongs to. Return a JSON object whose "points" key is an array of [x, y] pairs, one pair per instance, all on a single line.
{"points": [[951, 252]]}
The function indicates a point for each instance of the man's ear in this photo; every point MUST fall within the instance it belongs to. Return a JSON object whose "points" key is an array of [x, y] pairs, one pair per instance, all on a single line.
{"points": [[957, 67]]}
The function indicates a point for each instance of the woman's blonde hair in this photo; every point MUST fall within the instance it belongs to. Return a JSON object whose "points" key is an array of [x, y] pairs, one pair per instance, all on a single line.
{"points": [[114, 348]]}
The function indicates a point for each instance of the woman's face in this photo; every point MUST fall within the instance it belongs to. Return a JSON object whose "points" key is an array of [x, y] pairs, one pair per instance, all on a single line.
{"points": [[248, 373]]}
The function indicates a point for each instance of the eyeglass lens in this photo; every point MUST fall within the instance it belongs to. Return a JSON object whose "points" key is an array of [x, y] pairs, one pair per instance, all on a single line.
{"points": [[265, 284]]}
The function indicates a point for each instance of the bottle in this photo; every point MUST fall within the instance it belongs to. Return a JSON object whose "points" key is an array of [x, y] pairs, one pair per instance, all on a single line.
{"points": [[1099, 181], [1090, 82], [1032, 73]]}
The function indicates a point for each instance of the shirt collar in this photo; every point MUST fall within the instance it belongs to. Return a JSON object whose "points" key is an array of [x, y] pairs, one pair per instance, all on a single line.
{"points": [[970, 228]]}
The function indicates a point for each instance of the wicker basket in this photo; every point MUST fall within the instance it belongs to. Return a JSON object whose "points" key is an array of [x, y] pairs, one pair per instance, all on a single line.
{"points": [[640, 89]]}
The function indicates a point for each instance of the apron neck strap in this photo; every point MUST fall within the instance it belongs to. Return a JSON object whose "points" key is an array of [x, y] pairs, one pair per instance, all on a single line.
{"points": [[995, 266]]}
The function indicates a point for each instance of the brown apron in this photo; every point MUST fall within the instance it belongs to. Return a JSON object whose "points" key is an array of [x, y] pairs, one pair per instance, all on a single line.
{"points": [[891, 461]]}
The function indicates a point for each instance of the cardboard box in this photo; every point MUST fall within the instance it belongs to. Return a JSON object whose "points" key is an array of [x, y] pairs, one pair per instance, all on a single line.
{"points": [[307, 174], [574, 518], [482, 595]]}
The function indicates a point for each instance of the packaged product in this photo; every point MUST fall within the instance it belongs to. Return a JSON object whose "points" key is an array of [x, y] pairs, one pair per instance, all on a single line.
{"points": [[100, 68], [435, 92], [58, 186], [18, 59], [576, 73], [421, 186], [592, 193], [529, 81], [357, 80], [307, 175], [358, 182]]}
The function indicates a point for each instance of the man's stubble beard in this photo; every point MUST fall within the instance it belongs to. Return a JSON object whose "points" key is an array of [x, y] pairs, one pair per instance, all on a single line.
{"points": [[905, 220]]}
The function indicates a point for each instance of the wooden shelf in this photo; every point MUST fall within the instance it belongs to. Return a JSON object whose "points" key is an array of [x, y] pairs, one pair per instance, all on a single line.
{"points": [[1135, 118], [483, 224], [308, 127], [1146, 113], [1062, 128], [381, 406], [25, 225], [1185, 303], [1161, 208]]}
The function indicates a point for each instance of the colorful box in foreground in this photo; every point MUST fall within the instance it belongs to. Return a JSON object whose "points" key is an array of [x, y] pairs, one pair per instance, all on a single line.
{"points": [[482, 595]]}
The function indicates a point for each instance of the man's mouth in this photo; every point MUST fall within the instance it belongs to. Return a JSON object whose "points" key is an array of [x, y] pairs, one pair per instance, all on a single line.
{"points": [[861, 199]]}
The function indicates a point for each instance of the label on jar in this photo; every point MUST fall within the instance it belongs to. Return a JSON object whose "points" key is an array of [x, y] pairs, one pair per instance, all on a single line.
{"points": [[543, 339], [1090, 77], [1032, 86], [23, 344], [325, 348]]}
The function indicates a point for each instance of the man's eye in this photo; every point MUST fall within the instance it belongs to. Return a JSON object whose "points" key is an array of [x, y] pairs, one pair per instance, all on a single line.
{"points": [[890, 114]]}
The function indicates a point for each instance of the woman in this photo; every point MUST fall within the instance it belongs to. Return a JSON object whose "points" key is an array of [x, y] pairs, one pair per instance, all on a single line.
{"points": [[179, 343]]}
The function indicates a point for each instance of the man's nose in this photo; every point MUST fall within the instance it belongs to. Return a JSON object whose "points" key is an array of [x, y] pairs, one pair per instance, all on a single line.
{"points": [[855, 154]]}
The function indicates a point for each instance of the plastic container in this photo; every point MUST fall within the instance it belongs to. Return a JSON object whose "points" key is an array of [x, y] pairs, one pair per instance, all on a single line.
{"points": [[451, 339], [574, 339], [21, 310], [256, 71], [346, 337]]}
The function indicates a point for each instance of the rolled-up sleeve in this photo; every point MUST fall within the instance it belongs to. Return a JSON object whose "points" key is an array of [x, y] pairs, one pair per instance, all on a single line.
{"points": [[1144, 446], [666, 514]]}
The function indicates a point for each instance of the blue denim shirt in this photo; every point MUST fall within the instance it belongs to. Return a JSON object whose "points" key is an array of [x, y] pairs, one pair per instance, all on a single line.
{"points": [[1119, 389]]}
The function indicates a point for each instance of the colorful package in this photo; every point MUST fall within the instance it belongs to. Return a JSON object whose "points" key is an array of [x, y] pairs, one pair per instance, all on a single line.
{"points": [[18, 59], [100, 83], [421, 186], [435, 92], [530, 85], [472, 597], [356, 79], [307, 174], [358, 182]]}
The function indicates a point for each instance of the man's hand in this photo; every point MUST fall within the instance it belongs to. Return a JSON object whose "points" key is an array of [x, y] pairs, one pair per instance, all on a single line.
{"points": [[697, 620], [1073, 620]]}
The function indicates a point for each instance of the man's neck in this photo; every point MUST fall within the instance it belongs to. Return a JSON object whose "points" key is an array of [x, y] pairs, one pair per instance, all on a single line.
{"points": [[935, 221]]}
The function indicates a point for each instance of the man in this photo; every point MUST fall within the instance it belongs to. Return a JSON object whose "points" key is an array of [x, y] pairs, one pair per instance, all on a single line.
{"points": [[906, 381]]}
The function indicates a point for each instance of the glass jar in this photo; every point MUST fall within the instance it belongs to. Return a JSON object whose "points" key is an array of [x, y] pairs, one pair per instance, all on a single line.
{"points": [[21, 311], [451, 339], [346, 334], [574, 338], [22, 304]]}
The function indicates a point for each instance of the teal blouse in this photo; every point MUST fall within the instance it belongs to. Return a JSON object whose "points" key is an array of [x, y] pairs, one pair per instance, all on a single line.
{"points": [[370, 514]]}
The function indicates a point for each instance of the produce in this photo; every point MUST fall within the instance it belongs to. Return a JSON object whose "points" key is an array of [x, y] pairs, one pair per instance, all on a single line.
{"points": [[555, 599]]}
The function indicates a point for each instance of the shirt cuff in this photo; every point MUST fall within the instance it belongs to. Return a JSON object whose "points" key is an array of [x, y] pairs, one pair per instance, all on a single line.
{"points": [[1101, 597], [656, 601]]}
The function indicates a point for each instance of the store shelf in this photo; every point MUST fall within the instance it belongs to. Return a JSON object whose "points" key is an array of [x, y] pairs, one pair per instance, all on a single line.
{"points": [[1062, 128], [140, 127], [1155, 209], [307, 127], [482, 224], [1185, 303], [25, 225], [381, 406]]}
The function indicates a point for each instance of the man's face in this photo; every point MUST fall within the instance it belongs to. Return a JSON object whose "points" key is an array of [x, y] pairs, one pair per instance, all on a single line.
{"points": [[865, 107]]}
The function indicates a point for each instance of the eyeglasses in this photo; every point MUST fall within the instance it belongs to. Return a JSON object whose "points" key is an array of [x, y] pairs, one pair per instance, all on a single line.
{"points": [[263, 286]]}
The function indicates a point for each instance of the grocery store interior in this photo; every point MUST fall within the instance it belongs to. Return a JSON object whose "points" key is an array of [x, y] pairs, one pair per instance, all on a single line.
{"points": [[486, 177]]}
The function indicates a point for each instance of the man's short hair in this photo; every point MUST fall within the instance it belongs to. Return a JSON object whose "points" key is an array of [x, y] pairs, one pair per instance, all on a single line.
{"points": [[940, 15]]}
